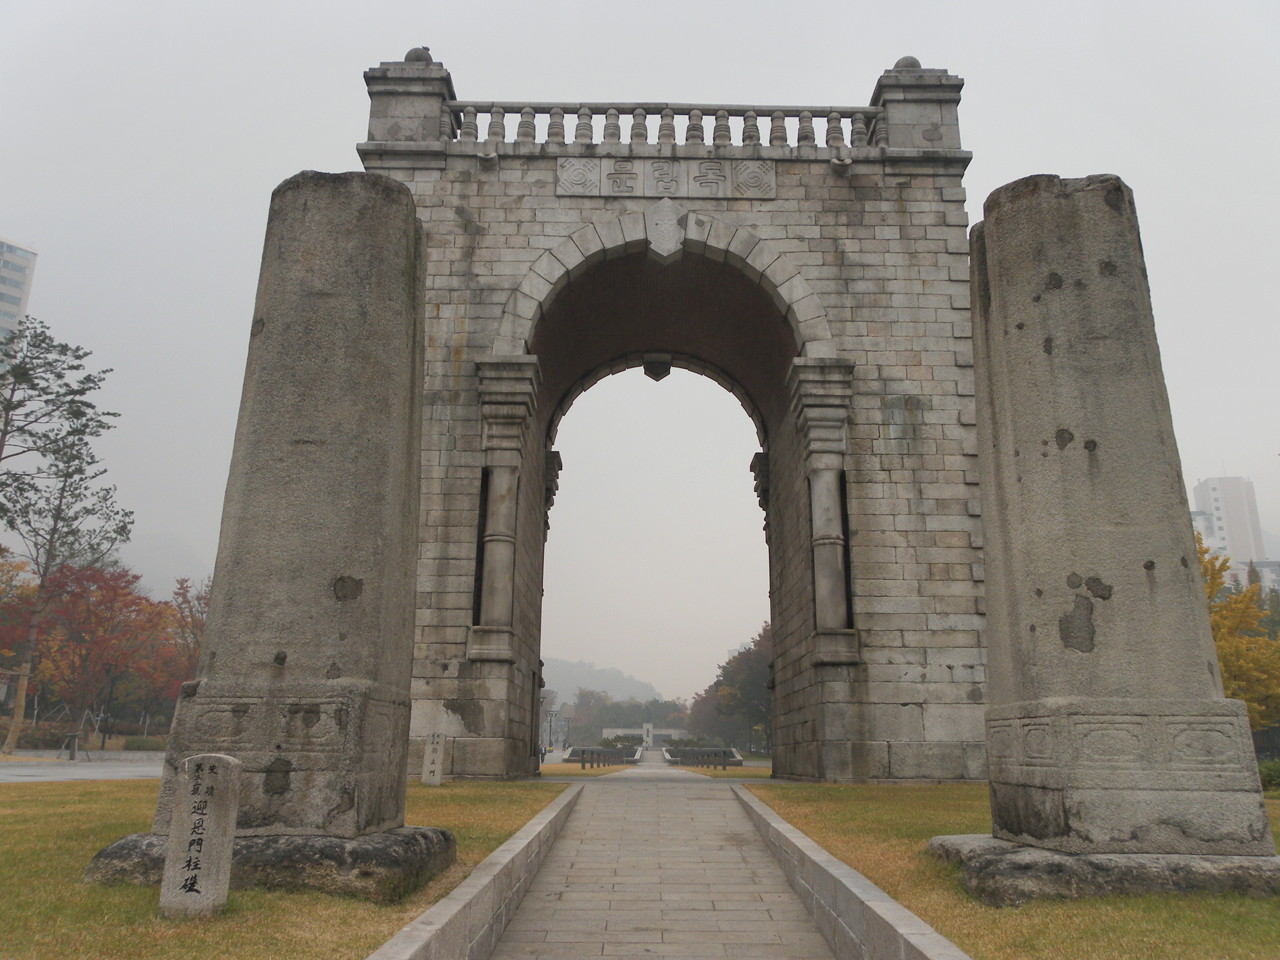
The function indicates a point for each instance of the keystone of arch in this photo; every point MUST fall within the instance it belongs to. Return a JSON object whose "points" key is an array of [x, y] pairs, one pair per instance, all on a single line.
{"points": [[666, 231]]}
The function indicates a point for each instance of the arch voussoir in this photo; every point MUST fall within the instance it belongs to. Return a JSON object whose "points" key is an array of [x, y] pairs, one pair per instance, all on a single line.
{"points": [[761, 260]]}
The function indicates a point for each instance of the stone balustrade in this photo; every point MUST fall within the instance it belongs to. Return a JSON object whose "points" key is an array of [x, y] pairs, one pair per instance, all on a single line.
{"points": [[686, 124]]}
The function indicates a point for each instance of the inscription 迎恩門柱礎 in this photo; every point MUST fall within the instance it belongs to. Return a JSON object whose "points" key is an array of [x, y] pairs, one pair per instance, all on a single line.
{"points": [[666, 177]]}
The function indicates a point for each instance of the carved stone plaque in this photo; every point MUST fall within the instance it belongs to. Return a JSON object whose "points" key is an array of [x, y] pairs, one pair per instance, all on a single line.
{"points": [[666, 177]]}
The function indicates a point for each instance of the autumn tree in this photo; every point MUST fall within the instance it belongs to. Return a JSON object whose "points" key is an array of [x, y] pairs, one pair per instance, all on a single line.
{"points": [[744, 686], [100, 628], [190, 607], [737, 705], [64, 520], [1247, 658]]}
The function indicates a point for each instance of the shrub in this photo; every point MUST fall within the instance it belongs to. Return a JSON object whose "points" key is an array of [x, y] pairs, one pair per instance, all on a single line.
{"points": [[1269, 772], [145, 743]]}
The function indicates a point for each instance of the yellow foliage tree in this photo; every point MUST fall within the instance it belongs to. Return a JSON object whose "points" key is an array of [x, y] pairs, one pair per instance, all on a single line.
{"points": [[1248, 659]]}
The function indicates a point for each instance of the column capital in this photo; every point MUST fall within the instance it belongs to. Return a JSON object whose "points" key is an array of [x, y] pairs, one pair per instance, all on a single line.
{"points": [[508, 395], [821, 391]]}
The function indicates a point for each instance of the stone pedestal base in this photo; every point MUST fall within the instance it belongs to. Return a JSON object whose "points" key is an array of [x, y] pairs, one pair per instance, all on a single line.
{"points": [[1105, 775], [383, 867], [1003, 874]]}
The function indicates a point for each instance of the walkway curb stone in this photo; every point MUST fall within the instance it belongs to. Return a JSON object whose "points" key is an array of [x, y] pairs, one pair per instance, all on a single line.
{"points": [[467, 923], [858, 920]]}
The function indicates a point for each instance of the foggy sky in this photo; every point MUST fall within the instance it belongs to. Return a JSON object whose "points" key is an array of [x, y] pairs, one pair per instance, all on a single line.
{"points": [[140, 142]]}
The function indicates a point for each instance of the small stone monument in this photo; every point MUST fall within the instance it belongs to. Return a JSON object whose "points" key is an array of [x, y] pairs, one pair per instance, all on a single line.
{"points": [[433, 760], [202, 833]]}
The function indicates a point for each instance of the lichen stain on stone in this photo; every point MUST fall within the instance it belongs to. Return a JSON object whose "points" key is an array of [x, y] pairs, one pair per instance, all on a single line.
{"points": [[1074, 580], [470, 712], [276, 782], [1091, 445], [1063, 437], [1076, 627], [1115, 199], [347, 588], [1100, 590], [1107, 268], [1053, 282], [1149, 565], [256, 327], [1048, 346], [280, 658], [333, 673]]}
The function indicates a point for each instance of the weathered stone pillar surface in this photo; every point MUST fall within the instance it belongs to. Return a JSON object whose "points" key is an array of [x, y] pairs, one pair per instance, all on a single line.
{"points": [[309, 640], [1107, 730]]}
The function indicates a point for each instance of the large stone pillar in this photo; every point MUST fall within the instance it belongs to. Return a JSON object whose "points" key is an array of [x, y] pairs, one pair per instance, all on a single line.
{"points": [[309, 642], [1107, 730]]}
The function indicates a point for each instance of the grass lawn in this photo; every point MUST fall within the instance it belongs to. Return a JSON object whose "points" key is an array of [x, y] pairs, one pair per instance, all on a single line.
{"points": [[49, 831], [881, 832]]}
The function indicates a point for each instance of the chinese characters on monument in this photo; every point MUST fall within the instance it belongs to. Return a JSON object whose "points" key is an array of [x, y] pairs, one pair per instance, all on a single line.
{"points": [[197, 865]]}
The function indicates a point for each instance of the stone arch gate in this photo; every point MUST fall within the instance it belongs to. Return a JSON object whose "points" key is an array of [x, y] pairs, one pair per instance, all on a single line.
{"points": [[814, 261], [420, 328]]}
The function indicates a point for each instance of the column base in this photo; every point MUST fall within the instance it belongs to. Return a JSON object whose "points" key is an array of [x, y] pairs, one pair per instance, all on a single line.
{"points": [[1003, 874], [1082, 775], [382, 867]]}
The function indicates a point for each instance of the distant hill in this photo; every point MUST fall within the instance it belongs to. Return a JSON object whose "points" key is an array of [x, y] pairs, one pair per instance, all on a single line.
{"points": [[565, 677]]}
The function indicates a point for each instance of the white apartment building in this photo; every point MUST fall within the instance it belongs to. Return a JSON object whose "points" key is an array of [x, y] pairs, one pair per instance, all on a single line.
{"points": [[17, 267], [1226, 515]]}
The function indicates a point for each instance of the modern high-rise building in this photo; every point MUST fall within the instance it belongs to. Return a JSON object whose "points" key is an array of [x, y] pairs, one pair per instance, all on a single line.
{"points": [[1228, 518], [17, 267]]}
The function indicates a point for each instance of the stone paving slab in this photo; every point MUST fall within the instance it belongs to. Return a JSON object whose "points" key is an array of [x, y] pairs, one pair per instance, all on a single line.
{"points": [[660, 863]]}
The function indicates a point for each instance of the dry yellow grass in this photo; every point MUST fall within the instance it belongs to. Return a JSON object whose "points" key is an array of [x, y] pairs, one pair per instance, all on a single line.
{"points": [[733, 773], [881, 832], [48, 832]]}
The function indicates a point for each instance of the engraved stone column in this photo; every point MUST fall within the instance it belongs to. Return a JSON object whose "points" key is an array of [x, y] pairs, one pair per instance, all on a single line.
{"points": [[507, 391], [309, 642], [821, 391], [202, 833], [1107, 730]]}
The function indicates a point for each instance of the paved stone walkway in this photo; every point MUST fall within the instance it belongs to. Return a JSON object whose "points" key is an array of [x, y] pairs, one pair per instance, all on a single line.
{"points": [[658, 862]]}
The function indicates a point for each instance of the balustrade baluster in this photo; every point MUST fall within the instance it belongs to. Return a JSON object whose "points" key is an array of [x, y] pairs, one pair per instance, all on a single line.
{"points": [[555, 127], [446, 125], [639, 127], [497, 124], [693, 132], [667, 127], [612, 128], [806, 129], [858, 135], [721, 135], [470, 130], [750, 131], [882, 132], [583, 132], [835, 131], [525, 130], [778, 129]]}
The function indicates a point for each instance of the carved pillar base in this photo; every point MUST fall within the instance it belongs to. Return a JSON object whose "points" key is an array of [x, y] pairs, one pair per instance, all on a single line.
{"points": [[1107, 775], [836, 647]]}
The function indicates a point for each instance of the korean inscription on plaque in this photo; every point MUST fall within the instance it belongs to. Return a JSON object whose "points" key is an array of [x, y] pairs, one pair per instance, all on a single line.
{"points": [[665, 177]]}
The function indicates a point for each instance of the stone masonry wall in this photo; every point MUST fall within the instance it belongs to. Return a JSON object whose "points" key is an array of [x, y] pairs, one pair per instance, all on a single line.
{"points": [[876, 230]]}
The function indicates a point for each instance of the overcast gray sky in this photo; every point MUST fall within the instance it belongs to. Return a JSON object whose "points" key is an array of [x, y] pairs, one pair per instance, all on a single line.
{"points": [[140, 142]]}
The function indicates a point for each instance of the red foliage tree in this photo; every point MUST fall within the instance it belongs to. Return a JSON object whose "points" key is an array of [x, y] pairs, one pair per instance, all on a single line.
{"points": [[100, 628]]}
